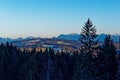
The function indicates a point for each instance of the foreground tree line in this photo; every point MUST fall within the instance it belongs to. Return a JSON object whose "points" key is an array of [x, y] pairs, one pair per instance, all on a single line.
{"points": [[92, 62]]}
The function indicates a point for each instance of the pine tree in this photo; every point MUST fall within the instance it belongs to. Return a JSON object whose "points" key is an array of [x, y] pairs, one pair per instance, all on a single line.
{"points": [[109, 61], [77, 66], [88, 36], [2, 57], [88, 40]]}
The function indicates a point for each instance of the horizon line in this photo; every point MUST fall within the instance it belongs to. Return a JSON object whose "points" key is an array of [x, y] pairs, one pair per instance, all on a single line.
{"points": [[117, 34]]}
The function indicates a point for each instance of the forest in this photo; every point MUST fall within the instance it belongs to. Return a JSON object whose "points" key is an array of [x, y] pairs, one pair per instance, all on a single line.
{"points": [[91, 62]]}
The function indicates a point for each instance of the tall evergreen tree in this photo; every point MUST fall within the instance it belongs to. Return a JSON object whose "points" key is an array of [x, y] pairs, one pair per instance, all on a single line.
{"points": [[109, 61], [88, 41], [88, 36]]}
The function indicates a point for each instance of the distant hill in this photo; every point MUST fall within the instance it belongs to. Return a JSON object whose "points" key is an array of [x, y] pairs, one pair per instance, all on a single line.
{"points": [[73, 36], [101, 37], [4, 40], [69, 36]]}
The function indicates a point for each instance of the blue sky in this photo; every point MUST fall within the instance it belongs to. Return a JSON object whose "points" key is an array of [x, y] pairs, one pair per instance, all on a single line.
{"points": [[48, 18]]}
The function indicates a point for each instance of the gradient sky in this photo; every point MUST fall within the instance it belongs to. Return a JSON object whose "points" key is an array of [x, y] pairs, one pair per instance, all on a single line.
{"points": [[48, 18]]}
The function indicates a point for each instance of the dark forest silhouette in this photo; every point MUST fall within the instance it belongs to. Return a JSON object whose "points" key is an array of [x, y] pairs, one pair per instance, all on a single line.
{"points": [[92, 62]]}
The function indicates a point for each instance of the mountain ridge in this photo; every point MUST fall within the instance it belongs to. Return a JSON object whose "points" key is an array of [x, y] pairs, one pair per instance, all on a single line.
{"points": [[100, 37], [72, 36]]}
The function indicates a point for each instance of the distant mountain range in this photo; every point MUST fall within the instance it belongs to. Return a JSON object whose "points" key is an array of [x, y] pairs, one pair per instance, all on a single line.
{"points": [[4, 40], [73, 36]]}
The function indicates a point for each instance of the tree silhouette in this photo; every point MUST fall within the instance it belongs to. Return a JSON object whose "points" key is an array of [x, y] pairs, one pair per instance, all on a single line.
{"points": [[87, 39], [109, 59], [88, 36]]}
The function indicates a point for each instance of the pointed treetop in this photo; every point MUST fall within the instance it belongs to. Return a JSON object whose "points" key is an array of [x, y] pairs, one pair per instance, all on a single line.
{"points": [[88, 19], [88, 23], [88, 35]]}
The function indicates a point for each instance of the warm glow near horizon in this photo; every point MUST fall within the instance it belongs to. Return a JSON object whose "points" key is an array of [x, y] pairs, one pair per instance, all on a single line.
{"points": [[49, 18]]}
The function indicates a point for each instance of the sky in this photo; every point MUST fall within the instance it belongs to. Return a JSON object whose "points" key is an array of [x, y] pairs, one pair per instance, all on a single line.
{"points": [[49, 18]]}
